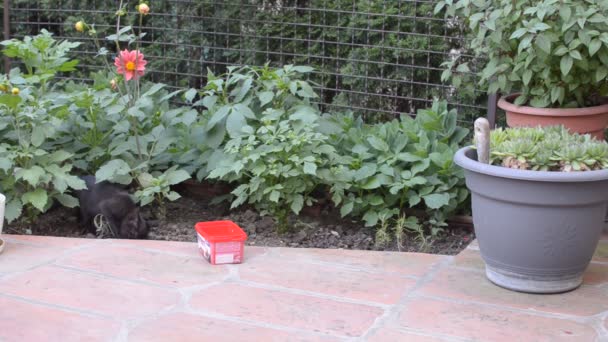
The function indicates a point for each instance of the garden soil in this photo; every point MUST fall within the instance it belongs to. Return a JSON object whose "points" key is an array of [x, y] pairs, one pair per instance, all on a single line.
{"points": [[324, 230]]}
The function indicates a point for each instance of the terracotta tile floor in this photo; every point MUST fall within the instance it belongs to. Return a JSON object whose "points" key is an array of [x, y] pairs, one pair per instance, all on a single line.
{"points": [[57, 289]]}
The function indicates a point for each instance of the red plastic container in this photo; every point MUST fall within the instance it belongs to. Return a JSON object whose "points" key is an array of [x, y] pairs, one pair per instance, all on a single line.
{"points": [[221, 242]]}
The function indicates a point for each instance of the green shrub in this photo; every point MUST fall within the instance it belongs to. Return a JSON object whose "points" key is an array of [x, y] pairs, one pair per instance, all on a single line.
{"points": [[260, 133], [406, 163], [554, 51], [35, 169]]}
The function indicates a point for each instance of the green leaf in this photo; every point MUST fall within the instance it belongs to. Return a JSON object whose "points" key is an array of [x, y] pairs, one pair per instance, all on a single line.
{"points": [[576, 55], [173, 196], [297, 204], [177, 176], [378, 143], [601, 73], [113, 168], [519, 33], [543, 43], [244, 110], [310, 168], [5, 164], [527, 76], [235, 123], [67, 200], [31, 175], [265, 97], [274, 196], [373, 183], [347, 208], [13, 210], [10, 101], [243, 90], [38, 136], [566, 64], [370, 218], [365, 171], [594, 46], [190, 94], [561, 50], [219, 115], [38, 198], [565, 12], [436, 201]]}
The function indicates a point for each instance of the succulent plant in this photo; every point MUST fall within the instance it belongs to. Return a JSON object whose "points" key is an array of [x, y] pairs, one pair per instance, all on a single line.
{"points": [[547, 149]]}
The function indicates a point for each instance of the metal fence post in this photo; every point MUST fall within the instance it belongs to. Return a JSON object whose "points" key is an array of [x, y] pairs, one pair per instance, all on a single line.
{"points": [[7, 33]]}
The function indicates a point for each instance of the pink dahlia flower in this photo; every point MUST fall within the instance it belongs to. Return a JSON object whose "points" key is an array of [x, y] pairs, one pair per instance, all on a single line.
{"points": [[131, 64]]}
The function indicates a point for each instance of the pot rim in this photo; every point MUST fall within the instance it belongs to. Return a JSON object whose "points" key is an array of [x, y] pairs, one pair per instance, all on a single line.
{"points": [[461, 159], [506, 104]]}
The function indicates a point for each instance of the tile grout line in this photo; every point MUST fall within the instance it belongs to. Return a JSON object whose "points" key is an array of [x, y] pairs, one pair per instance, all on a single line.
{"points": [[106, 276], [449, 338], [183, 306], [573, 318], [391, 312], [38, 303], [260, 324], [51, 262], [307, 293]]}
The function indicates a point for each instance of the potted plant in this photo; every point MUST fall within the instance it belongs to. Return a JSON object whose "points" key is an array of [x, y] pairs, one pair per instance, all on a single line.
{"points": [[538, 205], [550, 57]]}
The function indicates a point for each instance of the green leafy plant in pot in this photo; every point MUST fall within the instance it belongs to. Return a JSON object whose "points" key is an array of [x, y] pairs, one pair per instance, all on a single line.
{"points": [[538, 205], [550, 57]]}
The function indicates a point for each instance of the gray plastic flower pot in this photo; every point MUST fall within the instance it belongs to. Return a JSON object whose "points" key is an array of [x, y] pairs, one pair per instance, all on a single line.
{"points": [[537, 231]]}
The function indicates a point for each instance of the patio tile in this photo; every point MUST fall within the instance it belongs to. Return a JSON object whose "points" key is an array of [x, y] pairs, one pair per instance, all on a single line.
{"points": [[174, 247], [287, 309], [469, 258], [189, 249], [596, 274], [185, 327], [328, 279], [116, 298], [48, 241], [479, 323], [21, 321], [144, 265], [386, 334], [473, 286], [20, 257], [601, 252], [412, 264]]}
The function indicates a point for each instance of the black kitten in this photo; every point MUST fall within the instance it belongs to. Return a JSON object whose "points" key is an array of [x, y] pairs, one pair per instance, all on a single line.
{"points": [[115, 204]]}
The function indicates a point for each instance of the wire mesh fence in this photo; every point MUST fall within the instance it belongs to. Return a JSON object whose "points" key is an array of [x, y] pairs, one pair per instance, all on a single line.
{"points": [[376, 57]]}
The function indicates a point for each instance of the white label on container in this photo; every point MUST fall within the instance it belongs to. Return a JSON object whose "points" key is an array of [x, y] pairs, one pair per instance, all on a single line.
{"points": [[224, 258]]}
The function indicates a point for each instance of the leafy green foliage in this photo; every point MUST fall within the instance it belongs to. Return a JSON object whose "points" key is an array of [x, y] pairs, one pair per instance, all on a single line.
{"points": [[554, 51], [547, 149], [401, 164], [263, 126], [258, 128], [42, 56], [35, 169], [157, 187]]}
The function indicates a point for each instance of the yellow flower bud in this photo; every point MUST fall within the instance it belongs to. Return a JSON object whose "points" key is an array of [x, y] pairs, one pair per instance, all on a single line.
{"points": [[15, 91], [3, 88], [80, 26], [143, 9]]}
